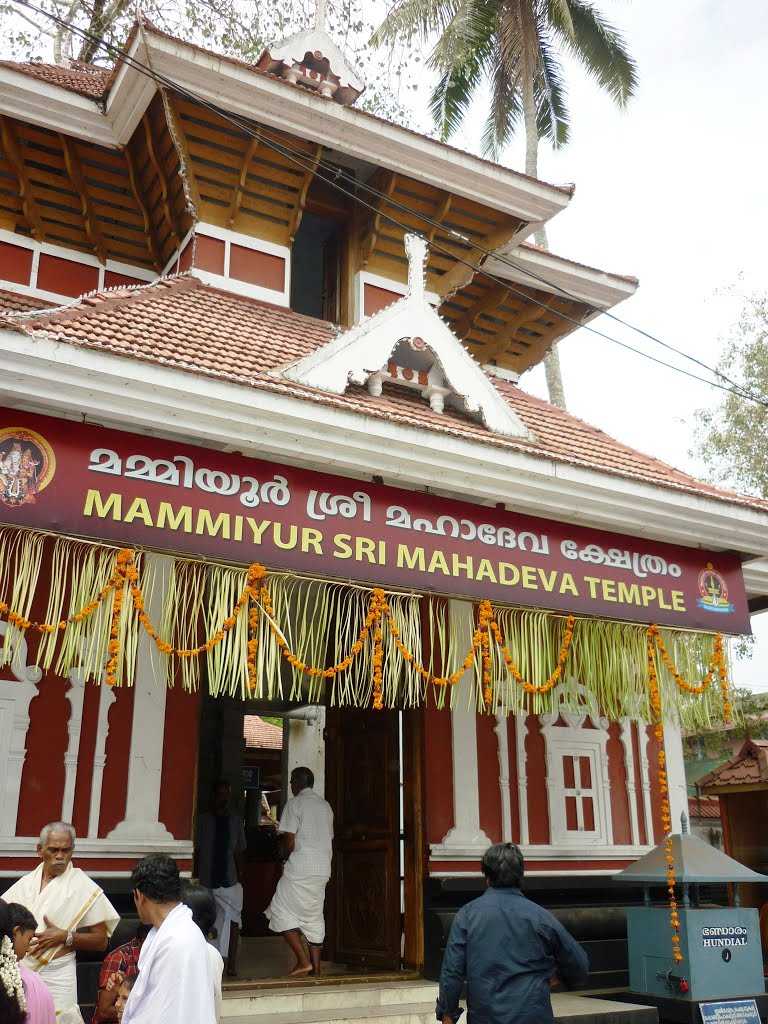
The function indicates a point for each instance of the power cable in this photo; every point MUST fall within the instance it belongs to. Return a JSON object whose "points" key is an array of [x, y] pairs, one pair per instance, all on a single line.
{"points": [[335, 173]]}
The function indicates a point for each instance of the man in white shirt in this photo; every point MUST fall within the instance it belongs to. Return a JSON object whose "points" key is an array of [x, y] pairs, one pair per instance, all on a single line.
{"points": [[175, 983], [296, 910]]}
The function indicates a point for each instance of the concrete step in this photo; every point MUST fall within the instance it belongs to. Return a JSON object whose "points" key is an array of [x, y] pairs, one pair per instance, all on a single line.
{"points": [[316, 999], [400, 1003]]}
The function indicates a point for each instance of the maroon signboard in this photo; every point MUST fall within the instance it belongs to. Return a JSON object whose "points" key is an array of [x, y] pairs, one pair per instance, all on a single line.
{"points": [[83, 480]]}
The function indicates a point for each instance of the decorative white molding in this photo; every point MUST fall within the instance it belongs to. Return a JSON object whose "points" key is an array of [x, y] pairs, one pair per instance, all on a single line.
{"points": [[113, 849], [466, 833], [575, 704], [76, 697], [521, 734], [145, 762], [107, 698], [629, 767], [16, 695], [363, 351], [502, 740], [643, 741], [548, 851]]}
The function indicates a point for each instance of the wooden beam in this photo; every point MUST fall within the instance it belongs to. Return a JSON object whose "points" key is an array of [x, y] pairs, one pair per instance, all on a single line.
{"points": [[485, 303], [149, 235], [237, 198], [461, 274], [440, 215], [76, 176], [189, 181], [369, 242], [301, 202], [16, 160], [166, 203]]}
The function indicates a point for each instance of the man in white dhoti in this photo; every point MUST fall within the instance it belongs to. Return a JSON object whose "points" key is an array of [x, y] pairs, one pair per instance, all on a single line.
{"points": [[296, 910], [74, 911], [220, 848], [175, 983]]}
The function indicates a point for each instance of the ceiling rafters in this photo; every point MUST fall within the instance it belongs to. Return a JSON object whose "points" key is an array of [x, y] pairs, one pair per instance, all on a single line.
{"points": [[440, 214], [149, 234], [460, 274], [486, 302], [165, 197], [237, 198], [369, 242], [76, 176], [301, 200], [16, 160]]}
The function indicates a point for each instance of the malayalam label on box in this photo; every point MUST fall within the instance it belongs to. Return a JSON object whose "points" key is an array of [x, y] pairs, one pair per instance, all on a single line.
{"points": [[730, 1011]]}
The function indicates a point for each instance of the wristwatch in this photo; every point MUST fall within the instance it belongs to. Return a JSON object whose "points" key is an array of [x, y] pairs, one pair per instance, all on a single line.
{"points": [[70, 940]]}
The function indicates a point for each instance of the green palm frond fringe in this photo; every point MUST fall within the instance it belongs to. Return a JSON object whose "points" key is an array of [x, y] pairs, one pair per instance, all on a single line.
{"points": [[187, 601]]}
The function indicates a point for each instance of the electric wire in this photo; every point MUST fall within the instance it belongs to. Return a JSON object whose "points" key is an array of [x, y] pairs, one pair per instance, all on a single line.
{"points": [[335, 173]]}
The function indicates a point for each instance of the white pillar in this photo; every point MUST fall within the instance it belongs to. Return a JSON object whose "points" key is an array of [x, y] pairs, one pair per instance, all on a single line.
{"points": [[466, 838], [629, 768], [306, 745], [502, 738], [106, 699], [145, 761], [16, 695], [678, 790], [76, 697]]}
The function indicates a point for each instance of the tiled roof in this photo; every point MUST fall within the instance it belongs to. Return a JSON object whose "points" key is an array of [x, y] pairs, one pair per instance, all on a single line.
{"points": [[84, 79], [183, 323], [748, 767], [15, 302], [704, 807], [261, 734]]}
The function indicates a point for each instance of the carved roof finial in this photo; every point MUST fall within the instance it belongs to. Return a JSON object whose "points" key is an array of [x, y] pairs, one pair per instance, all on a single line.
{"points": [[416, 251]]}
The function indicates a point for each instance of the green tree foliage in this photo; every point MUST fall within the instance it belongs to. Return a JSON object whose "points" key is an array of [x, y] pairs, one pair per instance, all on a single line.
{"points": [[516, 47], [731, 437], [238, 28], [717, 743]]}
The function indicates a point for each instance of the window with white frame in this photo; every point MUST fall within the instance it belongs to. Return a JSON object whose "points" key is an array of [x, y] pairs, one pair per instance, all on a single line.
{"points": [[578, 785]]}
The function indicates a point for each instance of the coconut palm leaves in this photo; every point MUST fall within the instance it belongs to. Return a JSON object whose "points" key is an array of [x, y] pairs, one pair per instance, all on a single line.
{"points": [[516, 47]]}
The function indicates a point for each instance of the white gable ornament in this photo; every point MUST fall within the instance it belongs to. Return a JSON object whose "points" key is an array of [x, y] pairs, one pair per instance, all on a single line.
{"points": [[312, 59], [409, 344]]}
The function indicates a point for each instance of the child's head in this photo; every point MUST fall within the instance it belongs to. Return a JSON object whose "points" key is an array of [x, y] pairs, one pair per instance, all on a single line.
{"points": [[24, 927], [122, 994]]}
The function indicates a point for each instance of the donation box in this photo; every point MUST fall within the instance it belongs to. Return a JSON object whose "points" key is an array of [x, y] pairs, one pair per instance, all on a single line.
{"points": [[721, 951]]}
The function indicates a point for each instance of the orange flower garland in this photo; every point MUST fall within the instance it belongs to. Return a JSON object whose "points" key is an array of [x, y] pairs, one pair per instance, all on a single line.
{"points": [[556, 674], [666, 814], [717, 656]]}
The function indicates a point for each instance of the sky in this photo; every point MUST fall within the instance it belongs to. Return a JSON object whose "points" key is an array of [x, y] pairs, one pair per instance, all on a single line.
{"points": [[673, 191]]}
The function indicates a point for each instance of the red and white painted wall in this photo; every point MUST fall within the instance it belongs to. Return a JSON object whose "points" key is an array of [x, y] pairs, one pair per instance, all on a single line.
{"points": [[118, 763]]}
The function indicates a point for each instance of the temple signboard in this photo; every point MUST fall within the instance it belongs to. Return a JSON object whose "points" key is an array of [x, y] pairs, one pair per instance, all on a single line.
{"points": [[84, 480]]}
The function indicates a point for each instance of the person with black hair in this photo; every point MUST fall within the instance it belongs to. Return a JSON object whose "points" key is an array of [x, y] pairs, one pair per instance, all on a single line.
{"points": [[203, 906], [296, 910], [121, 963], [13, 1004], [174, 983], [40, 1008], [506, 949]]}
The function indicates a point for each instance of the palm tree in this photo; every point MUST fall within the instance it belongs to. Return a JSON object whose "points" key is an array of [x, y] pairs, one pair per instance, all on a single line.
{"points": [[516, 47]]}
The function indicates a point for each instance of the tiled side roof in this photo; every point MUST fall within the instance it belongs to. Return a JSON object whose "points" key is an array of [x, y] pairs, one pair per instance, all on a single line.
{"points": [[704, 807], [15, 302], [183, 323], [84, 79], [258, 733], [748, 767]]}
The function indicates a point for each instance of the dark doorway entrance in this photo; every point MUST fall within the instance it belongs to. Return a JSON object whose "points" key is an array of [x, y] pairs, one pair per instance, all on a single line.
{"points": [[363, 786]]}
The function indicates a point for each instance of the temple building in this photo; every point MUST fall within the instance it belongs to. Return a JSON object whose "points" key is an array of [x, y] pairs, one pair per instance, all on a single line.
{"points": [[246, 323]]}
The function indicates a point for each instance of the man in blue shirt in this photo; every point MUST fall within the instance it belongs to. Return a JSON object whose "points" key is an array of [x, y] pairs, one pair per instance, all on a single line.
{"points": [[506, 949]]}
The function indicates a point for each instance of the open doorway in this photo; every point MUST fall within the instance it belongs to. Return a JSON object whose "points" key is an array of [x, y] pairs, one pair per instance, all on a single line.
{"points": [[362, 766]]}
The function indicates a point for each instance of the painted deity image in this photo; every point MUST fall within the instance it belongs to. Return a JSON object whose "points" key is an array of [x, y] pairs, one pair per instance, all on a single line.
{"points": [[22, 464]]}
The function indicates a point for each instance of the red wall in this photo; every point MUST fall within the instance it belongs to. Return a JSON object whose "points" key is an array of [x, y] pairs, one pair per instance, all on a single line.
{"points": [[438, 771]]}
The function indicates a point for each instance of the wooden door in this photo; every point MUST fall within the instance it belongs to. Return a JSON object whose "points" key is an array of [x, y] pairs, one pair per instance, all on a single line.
{"points": [[363, 787]]}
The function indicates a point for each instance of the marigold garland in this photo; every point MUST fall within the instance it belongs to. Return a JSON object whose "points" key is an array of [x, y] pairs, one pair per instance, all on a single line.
{"points": [[255, 596], [666, 814]]}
